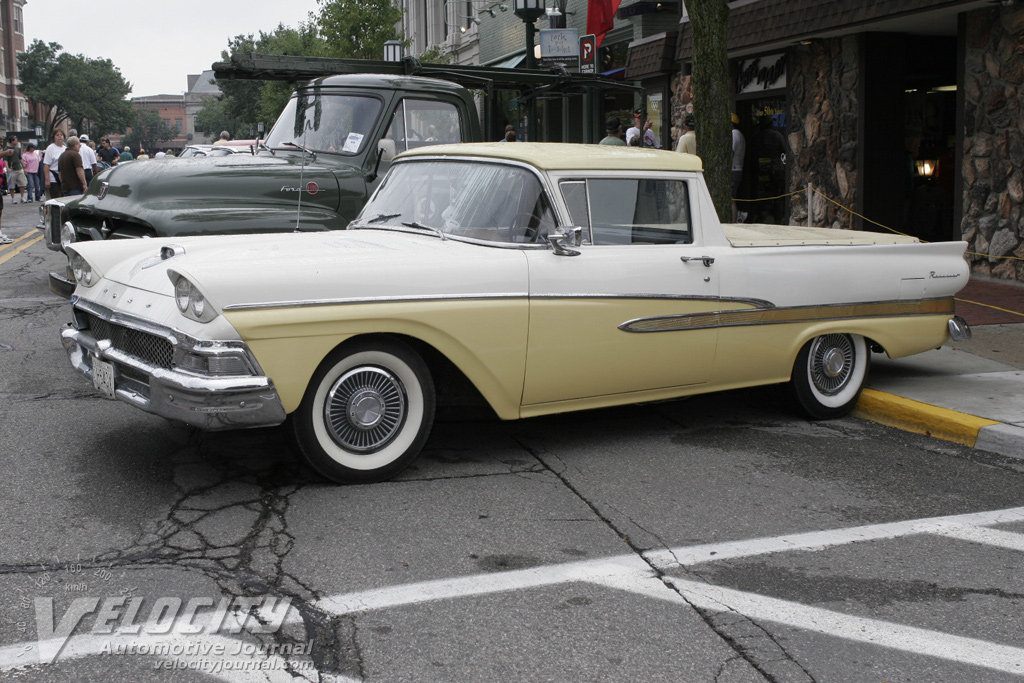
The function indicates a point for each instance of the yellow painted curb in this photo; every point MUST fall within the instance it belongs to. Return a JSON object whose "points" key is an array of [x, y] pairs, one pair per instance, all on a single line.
{"points": [[920, 418]]}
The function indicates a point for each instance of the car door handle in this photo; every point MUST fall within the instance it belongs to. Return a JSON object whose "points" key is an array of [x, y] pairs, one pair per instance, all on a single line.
{"points": [[708, 260]]}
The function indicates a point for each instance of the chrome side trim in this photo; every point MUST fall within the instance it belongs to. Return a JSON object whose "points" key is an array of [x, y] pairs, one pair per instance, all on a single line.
{"points": [[370, 300], [757, 303], [793, 314]]}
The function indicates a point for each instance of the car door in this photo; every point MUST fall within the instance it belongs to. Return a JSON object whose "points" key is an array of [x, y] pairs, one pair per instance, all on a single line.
{"points": [[634, 311]]}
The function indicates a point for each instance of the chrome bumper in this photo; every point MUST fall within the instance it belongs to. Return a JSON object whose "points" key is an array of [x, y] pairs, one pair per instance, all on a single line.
{"points": [[210, 403]]}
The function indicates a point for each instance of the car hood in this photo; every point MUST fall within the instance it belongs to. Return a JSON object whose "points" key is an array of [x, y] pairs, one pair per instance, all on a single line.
{"points": [[123, 189], [288, 269]]}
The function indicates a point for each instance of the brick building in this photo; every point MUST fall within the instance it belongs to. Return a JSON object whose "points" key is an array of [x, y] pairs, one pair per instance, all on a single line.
{"points": [[16, 114]]}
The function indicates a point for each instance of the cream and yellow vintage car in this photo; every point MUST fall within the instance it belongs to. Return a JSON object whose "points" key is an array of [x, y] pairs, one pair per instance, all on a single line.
{"points": [[551, 277]]}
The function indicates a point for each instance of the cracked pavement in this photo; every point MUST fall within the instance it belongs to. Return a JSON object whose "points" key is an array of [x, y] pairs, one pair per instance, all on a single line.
{"points": [[103, 501]]}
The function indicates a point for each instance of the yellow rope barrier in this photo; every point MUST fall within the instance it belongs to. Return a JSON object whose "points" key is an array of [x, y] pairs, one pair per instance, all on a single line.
{"points": [[865, 218], [978, 303]]}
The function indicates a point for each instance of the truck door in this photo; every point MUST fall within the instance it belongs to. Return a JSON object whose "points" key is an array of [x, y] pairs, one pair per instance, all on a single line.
{"points": [[635, 310]]}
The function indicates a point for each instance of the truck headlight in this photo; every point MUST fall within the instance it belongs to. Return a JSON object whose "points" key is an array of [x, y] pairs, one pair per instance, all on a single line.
{"points": [[68, 236], [182, 293], [189, 300], [197, 303], [81, 269]]}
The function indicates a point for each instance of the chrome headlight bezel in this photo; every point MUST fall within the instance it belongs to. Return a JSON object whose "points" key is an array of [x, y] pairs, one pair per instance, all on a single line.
{"points": [[82, 270], [68, 235], [190, 300]]}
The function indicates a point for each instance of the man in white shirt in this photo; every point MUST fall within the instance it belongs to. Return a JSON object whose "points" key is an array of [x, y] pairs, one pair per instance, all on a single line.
{"points": [[89, 160], [649, 139]]}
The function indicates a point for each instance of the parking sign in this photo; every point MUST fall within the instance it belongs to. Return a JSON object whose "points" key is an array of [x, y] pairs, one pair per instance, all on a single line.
{"points": [[588, 54]]}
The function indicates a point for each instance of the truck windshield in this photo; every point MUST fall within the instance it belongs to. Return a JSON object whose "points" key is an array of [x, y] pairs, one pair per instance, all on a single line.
{"points": [[338, 124], [483, 201]]}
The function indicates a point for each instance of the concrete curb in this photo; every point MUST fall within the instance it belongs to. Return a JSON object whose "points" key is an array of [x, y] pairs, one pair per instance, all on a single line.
{"points": [[922, 418]]}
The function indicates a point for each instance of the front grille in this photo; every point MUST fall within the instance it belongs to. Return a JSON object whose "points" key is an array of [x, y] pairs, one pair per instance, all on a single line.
{"points": [[55, 223], [148, 347]]}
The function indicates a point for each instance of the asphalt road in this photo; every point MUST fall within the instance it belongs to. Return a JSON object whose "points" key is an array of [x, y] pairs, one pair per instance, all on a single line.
{"points": [[714, 539]]}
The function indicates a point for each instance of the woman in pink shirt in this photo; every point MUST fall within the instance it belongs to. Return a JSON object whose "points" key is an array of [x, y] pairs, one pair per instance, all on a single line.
{"points": [[31, 158]]}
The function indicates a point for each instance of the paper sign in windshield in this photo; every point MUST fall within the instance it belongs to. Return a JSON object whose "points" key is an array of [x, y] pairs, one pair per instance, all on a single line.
{"points": [[352, 142]]}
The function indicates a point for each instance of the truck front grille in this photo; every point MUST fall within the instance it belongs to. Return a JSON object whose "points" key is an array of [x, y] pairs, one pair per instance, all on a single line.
{"points": [[54, 226], [142, 345]]}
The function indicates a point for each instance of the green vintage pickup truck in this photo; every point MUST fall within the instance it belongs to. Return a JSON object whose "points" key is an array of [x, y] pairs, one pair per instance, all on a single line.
{"points": [[319, 163]]}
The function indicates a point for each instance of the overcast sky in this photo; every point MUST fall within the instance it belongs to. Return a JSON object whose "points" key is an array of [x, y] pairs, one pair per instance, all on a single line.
{"points": [[156, 44]]}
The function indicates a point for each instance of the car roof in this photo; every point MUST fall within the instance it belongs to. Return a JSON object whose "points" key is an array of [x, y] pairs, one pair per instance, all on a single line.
{"points": [[556, 156]]}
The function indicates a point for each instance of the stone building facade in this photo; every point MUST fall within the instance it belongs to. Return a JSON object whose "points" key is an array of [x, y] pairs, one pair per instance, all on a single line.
{"points": [[823, 134], [993, 163], [907, 118]]}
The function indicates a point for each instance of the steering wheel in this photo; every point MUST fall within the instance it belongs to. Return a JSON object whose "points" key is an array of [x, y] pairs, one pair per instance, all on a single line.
{"points": [[521, 223]]}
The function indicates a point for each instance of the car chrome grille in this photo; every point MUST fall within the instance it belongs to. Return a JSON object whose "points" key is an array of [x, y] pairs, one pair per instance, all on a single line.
{"points": [[148, 347], [55, 223]]}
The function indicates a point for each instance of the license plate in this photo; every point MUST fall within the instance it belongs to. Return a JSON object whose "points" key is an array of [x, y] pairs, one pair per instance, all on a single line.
{"points": [[103, 377]]}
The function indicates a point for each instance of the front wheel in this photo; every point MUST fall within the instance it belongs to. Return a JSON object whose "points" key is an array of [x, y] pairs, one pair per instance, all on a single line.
{"points": [[367, 412], [829, 374]]}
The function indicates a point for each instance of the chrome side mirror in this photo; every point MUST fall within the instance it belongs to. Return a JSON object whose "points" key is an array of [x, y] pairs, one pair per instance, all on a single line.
{"points": [[561, 239]]}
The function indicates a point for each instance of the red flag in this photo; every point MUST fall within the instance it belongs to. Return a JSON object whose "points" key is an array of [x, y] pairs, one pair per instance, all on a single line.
{"points": [[601, 17]]}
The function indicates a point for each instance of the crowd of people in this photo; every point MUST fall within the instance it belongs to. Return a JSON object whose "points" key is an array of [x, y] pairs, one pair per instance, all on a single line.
{"points": [[26, 173]]}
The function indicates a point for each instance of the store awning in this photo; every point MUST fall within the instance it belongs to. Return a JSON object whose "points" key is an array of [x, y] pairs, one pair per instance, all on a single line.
{"points": [[513, 62], [651, 56]]}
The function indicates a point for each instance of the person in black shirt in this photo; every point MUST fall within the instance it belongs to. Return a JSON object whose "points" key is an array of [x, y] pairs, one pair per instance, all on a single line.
{"points": [[106, 154]]}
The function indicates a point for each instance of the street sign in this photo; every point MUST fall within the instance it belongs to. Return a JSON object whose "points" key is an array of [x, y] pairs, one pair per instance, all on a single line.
{"points": [[558, 46], [588, 54]]}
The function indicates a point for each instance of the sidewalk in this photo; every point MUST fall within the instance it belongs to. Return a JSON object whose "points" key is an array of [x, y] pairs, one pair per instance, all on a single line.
{"points": [[968, 392]]}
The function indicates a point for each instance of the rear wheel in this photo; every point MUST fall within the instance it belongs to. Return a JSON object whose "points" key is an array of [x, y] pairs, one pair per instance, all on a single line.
{"points": [[367, 412], [829, 374]]}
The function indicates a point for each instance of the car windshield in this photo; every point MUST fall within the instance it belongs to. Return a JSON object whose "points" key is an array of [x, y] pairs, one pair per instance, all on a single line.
{"points": [[339, 124], [478, 200]]}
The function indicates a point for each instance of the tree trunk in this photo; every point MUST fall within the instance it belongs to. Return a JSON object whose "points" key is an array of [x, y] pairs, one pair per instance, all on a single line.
{"points": [[709, 20]]}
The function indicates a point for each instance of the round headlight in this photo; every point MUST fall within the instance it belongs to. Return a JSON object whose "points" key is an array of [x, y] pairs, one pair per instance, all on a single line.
{"points": [[182, 293], [67, 235], [81, 270], [197, 302]]}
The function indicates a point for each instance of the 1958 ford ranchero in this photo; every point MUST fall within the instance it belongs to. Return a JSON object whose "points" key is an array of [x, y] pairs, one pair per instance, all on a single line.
{"points": [[552, 277]]}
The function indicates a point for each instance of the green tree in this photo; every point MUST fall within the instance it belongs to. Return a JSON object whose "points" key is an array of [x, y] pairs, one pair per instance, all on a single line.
{"points": [[149, 131], [344, 29], [711, 97], [213, 118], [74, 88], [357, 29]]}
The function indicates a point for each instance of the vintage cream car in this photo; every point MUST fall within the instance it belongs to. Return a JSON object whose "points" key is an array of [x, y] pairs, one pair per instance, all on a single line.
{"points": [[551, 277]]}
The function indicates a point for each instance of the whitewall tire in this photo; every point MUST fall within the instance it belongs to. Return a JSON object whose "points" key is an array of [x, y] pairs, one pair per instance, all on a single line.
{"points": [[367, 412], [829, 373]]}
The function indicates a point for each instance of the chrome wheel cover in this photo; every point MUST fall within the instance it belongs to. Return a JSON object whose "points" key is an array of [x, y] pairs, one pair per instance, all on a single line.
{"points": [[365, 409], [831, 363]]}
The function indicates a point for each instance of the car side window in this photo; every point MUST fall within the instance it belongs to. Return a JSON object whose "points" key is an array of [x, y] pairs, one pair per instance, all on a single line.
{"points": [[630, 210], [418, 123]]}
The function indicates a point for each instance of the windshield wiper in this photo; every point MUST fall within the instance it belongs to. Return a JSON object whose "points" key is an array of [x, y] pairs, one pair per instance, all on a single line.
{"points": [[302, 147], [382, 217], [421, 226]]}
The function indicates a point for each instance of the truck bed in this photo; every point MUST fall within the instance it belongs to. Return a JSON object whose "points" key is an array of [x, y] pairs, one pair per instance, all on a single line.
{"points": [[762, 235]]}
